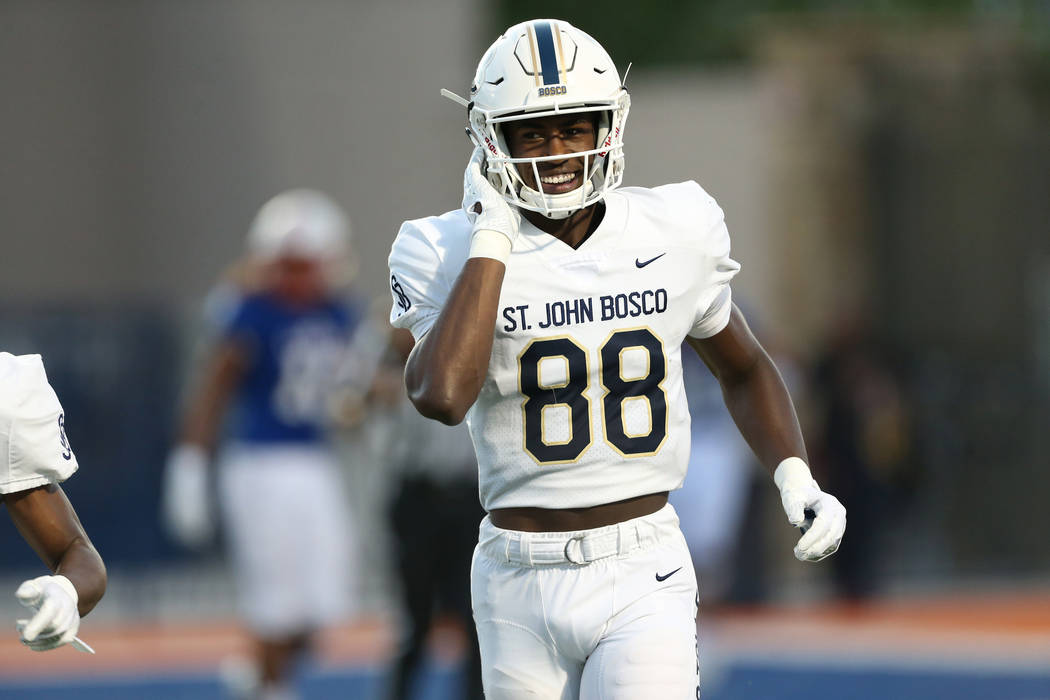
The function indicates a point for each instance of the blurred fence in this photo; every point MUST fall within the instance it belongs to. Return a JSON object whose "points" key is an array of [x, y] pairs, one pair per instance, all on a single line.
{"points": [[914, 204], [116, 372]]}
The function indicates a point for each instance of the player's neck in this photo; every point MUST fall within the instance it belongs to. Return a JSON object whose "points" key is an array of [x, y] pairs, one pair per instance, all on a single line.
{"points": [[574, 229]]}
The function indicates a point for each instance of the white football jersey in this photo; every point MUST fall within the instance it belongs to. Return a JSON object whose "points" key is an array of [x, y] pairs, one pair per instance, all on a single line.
{"points": [[583, 403], [34, 449]]}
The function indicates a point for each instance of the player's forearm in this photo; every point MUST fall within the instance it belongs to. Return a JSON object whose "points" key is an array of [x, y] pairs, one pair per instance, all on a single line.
{"points": [[200, 428], [46, 519], [447, 369], [203, 417], [761, 406], [83, 566]]}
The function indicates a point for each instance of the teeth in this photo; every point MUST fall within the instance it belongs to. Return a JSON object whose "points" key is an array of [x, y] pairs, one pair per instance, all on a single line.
{"points": [[557, 179]]}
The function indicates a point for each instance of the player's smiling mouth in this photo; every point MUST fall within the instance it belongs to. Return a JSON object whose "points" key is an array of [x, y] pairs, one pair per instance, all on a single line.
{"points": [[560, 182]]}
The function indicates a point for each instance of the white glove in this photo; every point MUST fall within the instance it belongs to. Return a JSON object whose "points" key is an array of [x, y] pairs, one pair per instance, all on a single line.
{"points": [[495, 221], [186, 503], [799, 493], [55, 621]]}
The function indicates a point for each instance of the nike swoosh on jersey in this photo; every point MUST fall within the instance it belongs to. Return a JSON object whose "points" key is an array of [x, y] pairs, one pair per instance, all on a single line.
{"points": [[667, 576], [639, 263]]}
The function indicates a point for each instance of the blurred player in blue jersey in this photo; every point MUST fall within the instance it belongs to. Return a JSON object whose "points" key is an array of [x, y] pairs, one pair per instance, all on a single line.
{"points": [[282, 348], [35, 457]]}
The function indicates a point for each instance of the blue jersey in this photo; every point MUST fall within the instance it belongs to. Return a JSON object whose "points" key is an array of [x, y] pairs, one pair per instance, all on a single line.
{"points": [[294, 358]]}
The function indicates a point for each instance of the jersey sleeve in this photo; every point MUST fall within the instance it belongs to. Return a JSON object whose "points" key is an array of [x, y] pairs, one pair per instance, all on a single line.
{"points": [[34, 449], [715, 301], [417, 283]]}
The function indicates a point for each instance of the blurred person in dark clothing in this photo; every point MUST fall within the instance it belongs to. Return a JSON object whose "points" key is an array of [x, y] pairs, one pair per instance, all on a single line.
{"points": [[718, 505], [713, 500], [863, 447], [434, 518]]}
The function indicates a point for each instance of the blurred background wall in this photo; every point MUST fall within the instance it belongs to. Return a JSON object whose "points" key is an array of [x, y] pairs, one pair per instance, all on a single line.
{"points": [[139, 140], [883, 168]]}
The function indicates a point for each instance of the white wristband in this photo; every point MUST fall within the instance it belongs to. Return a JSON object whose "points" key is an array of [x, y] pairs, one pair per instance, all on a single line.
{"points": [[792, 469], [490, 244]]}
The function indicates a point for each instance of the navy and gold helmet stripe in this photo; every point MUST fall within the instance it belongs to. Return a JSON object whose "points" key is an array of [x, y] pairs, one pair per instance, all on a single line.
{"points": [[542, 38]]}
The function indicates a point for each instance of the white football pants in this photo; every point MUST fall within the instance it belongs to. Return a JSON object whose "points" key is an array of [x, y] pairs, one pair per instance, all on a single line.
{"points": [[290, 537], [602, 614]]}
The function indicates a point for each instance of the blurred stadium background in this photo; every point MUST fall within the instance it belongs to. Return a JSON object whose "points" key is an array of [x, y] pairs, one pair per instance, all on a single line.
{"points": [[884, 169]]}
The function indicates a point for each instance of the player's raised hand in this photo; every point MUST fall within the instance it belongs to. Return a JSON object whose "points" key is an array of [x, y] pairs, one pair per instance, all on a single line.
{"points": [[55, 621], [186, 503], [488, 211], [799, 493]]}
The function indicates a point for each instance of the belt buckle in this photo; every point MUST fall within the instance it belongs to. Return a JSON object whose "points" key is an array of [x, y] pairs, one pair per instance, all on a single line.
{"points": [[568, 555]]}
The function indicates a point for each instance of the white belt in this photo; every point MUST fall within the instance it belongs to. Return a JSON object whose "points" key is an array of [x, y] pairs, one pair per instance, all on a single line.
{"points": [[580, 547]]}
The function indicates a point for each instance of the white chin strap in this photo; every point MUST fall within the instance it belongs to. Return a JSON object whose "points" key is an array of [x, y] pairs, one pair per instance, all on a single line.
{"points": [[556, 206]]}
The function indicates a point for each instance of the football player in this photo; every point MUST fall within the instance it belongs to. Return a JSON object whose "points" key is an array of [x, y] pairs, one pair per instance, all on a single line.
{"points": [[36, 457], [283, 341], [550, 312]]}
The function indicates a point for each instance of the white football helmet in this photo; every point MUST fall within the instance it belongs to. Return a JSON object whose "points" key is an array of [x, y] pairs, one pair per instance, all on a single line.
{"points": [[542, 68], [302, 223]]}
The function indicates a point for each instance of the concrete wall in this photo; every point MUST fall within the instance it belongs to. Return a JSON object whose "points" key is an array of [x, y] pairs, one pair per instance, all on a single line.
{"points": [[712, 127], [139, 138]]}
